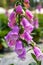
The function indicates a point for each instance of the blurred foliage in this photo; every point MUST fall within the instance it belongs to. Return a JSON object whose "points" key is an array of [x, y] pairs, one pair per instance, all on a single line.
{"points": [[10, 3], [6, 3], [4, 29], [3, 25], [40, 18], [37, 35], [3, 3], [31, 3]]}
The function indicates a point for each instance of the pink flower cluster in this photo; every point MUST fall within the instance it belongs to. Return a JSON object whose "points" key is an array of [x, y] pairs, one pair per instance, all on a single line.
{"points": [[14, 37]]}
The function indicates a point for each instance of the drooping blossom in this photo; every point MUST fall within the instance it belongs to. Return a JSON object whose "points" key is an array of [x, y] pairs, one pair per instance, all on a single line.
{"points": [[38, 53], [35, 23], [26, 4], [29, 14], [12, 36], [39, 6], [6, 13], [16, 29], [19, 9], [26, 1], [23, 55], [27, 26], [12, 20], [20, 50], [26, 36], [18, 47]]}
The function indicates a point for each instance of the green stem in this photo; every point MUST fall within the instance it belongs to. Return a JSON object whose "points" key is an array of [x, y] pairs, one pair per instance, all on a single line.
{"points": [[19, 19], [39, 63]]}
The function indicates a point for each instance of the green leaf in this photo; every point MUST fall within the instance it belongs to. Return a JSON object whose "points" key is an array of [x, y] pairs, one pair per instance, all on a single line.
{"points": [[4, 44], [3, 33], [33, 63], [34, 57], [11, 64], [39, 63]]}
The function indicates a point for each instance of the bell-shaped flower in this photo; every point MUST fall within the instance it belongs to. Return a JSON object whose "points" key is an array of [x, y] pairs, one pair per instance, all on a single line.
{"points": [[29, 14], [23, 55], [19, 9], [12, 36], [35, 23], [20, 50], [38, 53], [12, 20], [27, 26], [26, 36]]}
